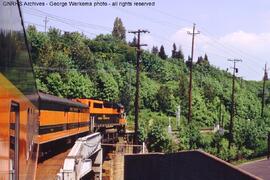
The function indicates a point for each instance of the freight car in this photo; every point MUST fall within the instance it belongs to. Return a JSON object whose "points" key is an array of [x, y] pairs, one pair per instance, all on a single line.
{"points": [[18, 99]]}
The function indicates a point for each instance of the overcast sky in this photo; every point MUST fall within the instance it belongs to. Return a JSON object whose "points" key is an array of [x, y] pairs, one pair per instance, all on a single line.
{"points": [[228, 28]]}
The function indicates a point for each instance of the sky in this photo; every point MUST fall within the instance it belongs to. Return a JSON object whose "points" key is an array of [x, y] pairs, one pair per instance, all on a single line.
{"points": [[229, 29]]}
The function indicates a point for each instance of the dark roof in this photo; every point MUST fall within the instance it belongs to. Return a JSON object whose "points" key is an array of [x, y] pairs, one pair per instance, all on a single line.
{"points": [[259, 168], [50, 99], [192, 165]]}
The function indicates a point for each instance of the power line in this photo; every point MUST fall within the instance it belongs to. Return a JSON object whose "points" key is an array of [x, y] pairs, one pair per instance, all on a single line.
{"points": [[31, 23], [70, 22], [227, 49], [66, 20], [205, 29], [234, 50], [170, 15], [64, 30]]}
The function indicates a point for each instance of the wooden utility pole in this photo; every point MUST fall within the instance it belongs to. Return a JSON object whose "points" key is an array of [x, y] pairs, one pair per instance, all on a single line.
{"points": [[235, 70], [190, 74], [220, 113], [46, 21], [268, 145], [265, 78], [137, 94]]}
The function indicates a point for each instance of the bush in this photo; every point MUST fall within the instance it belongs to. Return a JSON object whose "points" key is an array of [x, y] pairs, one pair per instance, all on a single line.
{"points": [[158, 139], [189, 137]]}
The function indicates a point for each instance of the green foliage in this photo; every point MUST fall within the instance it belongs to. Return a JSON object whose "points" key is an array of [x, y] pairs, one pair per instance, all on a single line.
{"points": [[55, 85], [189, 137], [72, 65], [249, 137], [166, 100], [157, 139], [149, 91], [162, 53], [119, 30], [174, 51], [107, 87], [177, 54], [154, 50], [79, 86]]}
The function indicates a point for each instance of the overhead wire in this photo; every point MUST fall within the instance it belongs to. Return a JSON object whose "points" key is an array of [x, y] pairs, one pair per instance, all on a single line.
{"points": [[231, 50], [63, 22], [67, 20], [213, 41], [222, 47]]}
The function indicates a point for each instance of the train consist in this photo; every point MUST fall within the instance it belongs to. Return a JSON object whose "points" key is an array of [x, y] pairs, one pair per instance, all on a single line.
{"points": [[62, 121], [105, 115], [33, 123]]}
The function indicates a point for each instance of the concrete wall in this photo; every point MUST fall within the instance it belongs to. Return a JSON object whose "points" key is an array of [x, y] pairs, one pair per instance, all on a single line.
{"points": [[188, 165]]}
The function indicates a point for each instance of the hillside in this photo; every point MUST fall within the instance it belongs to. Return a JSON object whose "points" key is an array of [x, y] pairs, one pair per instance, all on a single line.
{"points": [[72, 65]]}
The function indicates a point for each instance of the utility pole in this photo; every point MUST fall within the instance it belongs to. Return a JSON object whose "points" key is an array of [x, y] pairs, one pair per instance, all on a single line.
{"points": [[265, 78], [46, 21], [178, 116], [190, 74], [268, 145], [235, 70], [220, 113], [137, 94]]}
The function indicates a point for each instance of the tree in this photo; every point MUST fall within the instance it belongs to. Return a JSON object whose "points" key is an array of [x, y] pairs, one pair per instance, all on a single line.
{"points": [[189, 137], [166, 100], [154, 50], [177, 54], [162, 53], [55, 85], [188, 62], [180, 54], [79, 86], [205, 57], [200, 60], [54, 35], [119, 31], [107, 87], [157, 139], [133, 43], [203, 60], [72, 65], [174, 51], [149, 89]]}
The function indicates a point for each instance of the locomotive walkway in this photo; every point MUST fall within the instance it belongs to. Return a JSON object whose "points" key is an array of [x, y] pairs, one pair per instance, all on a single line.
{"points": [[50, 167]]}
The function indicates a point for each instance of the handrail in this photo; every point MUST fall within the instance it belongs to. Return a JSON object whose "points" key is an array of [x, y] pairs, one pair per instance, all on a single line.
{"points": [[78, 162]]}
